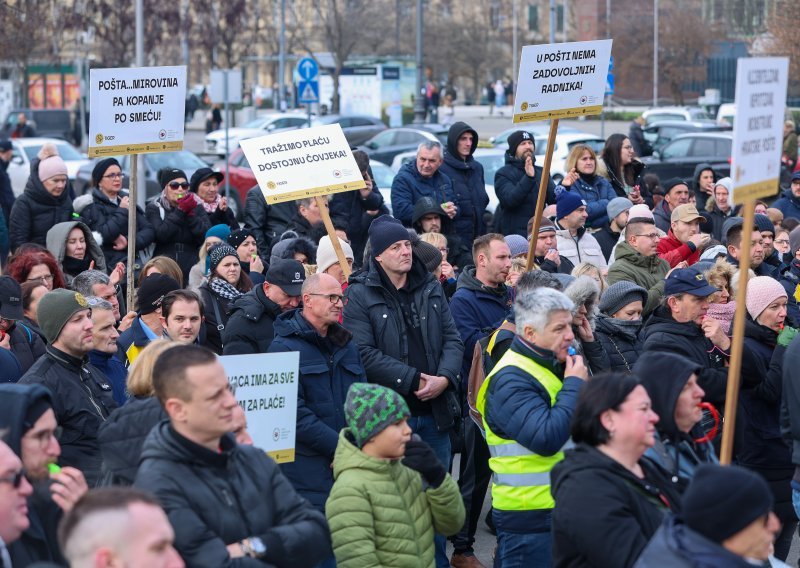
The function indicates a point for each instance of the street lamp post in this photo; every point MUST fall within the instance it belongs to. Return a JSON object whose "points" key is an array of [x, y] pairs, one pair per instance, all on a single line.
{"points": [[419, 100], [655, 53]]}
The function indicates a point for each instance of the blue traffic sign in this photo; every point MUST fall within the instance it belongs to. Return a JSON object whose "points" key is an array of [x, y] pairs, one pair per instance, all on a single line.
{"points": [[308, 92], [610, 77], [308, 69]]}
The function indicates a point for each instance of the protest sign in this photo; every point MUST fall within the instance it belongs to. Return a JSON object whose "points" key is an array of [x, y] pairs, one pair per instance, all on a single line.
{"points": [[561, 80], [306, 162], [758, 130], [136, 110], [265, 386]]}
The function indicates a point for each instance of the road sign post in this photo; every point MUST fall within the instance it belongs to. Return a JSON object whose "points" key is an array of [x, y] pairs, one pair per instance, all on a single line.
{"points": [[308, 85]]}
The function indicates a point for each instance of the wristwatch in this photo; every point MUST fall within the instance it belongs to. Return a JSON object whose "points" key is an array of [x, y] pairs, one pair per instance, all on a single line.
{"points": [[253, 547]]}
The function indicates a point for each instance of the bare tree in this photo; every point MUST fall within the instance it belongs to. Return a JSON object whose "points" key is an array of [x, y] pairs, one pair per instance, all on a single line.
{"points": [[782, 39]]}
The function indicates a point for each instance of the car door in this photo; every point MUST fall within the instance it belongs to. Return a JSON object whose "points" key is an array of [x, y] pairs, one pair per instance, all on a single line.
{"points": [[361, 129], [672, 159], [378, 145]]}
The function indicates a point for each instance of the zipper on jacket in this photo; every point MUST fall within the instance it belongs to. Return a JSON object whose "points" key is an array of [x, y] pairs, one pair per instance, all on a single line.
{"points": [[91, 395]]}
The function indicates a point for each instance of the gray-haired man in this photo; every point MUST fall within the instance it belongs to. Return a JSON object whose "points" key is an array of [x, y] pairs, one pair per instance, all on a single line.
{"points": [[422, 178]]}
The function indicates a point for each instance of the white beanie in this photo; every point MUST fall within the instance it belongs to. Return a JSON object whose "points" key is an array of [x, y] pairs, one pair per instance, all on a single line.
{"points": [[640, 210], [326, 256]]}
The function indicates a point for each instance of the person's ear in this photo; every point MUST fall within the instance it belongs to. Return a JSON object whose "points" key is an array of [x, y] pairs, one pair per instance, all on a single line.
{"points": [[176, 409]]}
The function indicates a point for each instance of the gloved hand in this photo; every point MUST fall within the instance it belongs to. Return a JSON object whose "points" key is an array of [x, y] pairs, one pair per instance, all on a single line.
{"points": [[187, 204], [420, 457], [786, 335]]}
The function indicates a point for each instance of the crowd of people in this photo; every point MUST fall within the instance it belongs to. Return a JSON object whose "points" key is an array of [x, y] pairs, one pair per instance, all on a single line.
{"points": [[588, 391]]}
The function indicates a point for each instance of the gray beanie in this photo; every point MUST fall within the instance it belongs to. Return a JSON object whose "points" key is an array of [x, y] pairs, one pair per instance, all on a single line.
{"points": [[55, 309], [619, 295], [617, 206]]}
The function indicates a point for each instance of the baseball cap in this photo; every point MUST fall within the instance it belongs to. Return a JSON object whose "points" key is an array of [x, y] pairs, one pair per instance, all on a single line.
{"points": [[686, 213], [287, 274], [10, 299], [688, 281], [5, 145]]}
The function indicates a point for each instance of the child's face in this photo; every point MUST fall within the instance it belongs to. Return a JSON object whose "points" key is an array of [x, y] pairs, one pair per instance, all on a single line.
{"points": [[390, 444]]}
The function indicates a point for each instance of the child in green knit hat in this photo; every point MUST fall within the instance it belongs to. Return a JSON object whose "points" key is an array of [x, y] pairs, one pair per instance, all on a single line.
{"points": [[390, 492]]}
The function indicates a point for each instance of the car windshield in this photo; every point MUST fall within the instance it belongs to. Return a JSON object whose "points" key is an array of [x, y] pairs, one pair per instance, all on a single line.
{"points": [[382, 173], [491, 163], [67, 152], [183, 160]]}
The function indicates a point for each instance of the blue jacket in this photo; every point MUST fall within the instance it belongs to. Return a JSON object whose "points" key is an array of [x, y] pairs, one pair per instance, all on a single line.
{"points": [[133, 336], [328, 366], [408, 186], [597, 193], [468, 182], [790, 279], [518, 408], [788, 204], [115, 372], [517, 194]]}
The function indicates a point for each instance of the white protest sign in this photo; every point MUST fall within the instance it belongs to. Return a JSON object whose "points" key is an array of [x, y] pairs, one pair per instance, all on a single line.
{"points": [[561, 80], [136, 110], [758, 130], [303, 163], [265, 386]]}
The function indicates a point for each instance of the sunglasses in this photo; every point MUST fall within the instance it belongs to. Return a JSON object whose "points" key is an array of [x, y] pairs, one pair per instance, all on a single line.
{"points": [[15, 479], [176, 185]]}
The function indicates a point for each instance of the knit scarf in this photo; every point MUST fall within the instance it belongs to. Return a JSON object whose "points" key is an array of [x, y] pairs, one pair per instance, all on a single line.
{"points": [[211, 207], [224, 289]]}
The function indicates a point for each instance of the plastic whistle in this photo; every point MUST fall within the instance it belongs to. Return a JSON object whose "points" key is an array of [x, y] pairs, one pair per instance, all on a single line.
{"points": [[53, 468]]}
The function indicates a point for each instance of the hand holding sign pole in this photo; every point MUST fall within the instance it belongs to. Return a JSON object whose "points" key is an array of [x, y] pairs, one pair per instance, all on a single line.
{"points": [[559, 80], [755, 168]]}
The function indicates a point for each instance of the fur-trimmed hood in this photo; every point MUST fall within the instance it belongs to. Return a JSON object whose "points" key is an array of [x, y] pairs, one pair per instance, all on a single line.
{"points": [[585, 290]]}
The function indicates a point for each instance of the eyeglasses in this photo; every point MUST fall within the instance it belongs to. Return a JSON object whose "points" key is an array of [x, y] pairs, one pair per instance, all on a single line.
{"points": [[649, 236], [113, 176], [176, 185], [782, 241], [44, 438], [332, 298], [43, 278], [15, 479]]}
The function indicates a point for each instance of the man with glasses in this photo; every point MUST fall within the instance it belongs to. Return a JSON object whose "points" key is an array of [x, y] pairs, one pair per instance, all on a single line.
{"points": [[14, 491], [82, 395], [637, 261], [26, 411], [250, 326], [329, 364]]}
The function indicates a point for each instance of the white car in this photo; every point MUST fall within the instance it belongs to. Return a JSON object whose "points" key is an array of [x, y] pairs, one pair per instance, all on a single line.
{"points": [[215, 141], [676, 113], [25, 151]]}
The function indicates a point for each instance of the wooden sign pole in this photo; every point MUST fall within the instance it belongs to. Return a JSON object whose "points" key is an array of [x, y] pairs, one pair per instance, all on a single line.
{"points": [[737, 341], [132, 201], [337, 247], [537, 216]]}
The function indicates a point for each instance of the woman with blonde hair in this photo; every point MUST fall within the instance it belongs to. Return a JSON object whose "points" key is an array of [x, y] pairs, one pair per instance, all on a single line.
{"points": [[161, 265], [591, 270], [448, 276], [121, 436], [582, 177]]}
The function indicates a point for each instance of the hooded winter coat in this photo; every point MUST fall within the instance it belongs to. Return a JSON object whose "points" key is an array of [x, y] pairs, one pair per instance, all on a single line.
{"points": [[39, 542], [596, 191], [468, 182], [701, 196], [266, 221], [57, 244], [645, 271], [584, 291], [213, 499], [517, 194], [604, 514], [584, 249], [26, 345], [328, 366], [349, 213], [36, 211], [109, 220], [788, 204], [409, 185], [381, 514]]}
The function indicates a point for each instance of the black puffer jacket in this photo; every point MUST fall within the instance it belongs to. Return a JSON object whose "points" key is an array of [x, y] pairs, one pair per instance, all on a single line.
{"points": [[266, 221], [212, 300], [26, 344], [517, 194], [110, 221], [250, 325], [82, 400], [178, 235], [122, 436], [214, 499], [349, 212], [35, 211], [620, 341]]}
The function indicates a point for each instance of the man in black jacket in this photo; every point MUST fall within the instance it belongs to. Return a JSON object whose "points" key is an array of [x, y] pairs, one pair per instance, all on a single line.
{"points": [[6, 191], [249, 328], [27, 412], [618, 210], [82, 395], [408, 341], [229, 504]]}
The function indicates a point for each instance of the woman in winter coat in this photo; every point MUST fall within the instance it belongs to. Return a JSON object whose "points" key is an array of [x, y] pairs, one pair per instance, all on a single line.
{"points": [[618, 325], [722, 306], [205, 184], [105, 211], [610, 500], [75, 249], [179, 220], [226, 282], [215, 235], [624, 171], [246, 247], [45, 201], [584, 293], [582, 177], [759, 444]]}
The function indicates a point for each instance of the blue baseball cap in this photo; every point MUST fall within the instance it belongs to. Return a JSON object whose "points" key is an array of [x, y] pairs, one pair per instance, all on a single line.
{"points": [[796, 175], [688, 281]]}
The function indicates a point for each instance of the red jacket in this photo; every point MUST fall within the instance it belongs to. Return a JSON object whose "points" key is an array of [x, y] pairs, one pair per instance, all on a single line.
{"points": [[674, 251]]}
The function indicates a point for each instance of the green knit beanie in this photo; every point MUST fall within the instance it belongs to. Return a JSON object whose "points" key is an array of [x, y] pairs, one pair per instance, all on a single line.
{"points": [[369, 409], [55, 309]]}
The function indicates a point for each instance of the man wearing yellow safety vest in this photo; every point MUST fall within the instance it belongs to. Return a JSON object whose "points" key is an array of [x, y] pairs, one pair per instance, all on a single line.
{"points": [[527, 403]]}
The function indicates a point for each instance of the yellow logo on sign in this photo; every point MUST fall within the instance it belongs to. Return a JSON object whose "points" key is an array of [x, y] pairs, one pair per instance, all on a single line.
{"points": [[99, 138], [271, 185], [524, 107]]}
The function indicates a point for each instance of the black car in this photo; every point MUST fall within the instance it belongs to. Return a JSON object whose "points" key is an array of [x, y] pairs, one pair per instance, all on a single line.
{"points": [[679, 157], [357, 129], [385, 146], [663, 131]]}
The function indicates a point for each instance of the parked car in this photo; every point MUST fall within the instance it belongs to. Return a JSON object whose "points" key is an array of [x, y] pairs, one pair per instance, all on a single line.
{"points": [[26, 149], [679, 157], [383, 175], [676, 113], [385, 146], [661, 132], [357, 128], [215, 141], [726, 114], [240, 176], [48, 123]]}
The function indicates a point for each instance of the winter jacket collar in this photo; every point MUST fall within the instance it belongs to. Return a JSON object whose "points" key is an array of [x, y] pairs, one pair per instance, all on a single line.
{"points": [[662, 317], [623, 328], [665, 387], [624, 251], [167, 444], [349, 457], [540, 356], [410, 168], [72, 363], [255, 303], [566, 232], [375, 276], [14, 405], [468, 280], [760, 333], [293, 323]]}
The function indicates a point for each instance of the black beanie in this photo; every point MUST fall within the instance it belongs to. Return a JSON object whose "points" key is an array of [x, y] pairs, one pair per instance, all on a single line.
{"points": [[721, 501], [763, 224], [384, 232], [100, 169], [516, 138], [237, 237], [152, 291], [428, 254], [166, 175]]}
